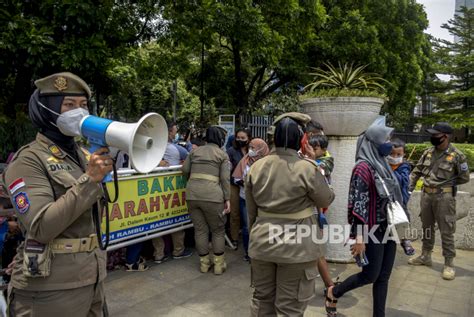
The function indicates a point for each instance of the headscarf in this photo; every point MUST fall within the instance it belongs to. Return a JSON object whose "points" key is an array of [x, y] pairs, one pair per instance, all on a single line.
{"points": [[288, 134], [44, 119], [367, 150], [216, 135], [262, 150]]}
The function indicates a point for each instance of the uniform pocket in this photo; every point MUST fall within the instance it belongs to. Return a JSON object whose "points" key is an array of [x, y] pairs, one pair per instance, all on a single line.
{"points": [[307, 284], [450, 223], [445, 170]]}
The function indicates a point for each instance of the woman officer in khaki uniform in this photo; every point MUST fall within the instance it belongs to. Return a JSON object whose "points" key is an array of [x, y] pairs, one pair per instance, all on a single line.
{"points": [[53, 184], [281, 190], [207, 169]]}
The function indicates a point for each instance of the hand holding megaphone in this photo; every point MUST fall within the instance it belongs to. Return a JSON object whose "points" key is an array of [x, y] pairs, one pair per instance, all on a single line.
{"points": [[145, 141], [100, 165]]}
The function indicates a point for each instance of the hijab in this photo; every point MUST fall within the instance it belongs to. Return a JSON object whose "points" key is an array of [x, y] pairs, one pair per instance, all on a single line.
{"points": [[288, 134], [260, 147], [45, 120], [367, 150], [216, 135]]}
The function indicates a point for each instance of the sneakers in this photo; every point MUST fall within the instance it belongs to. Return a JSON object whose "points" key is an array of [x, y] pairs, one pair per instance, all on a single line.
{"points": [[185, 254], [139, 266], [161, 260], [407, 247]]}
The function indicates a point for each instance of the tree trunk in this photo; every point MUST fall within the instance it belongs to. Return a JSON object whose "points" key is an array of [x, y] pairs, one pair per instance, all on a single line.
{"points": [[240, 97]]}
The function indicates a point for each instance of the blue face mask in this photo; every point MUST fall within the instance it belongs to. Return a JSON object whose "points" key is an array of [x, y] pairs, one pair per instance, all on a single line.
{"points": [[385, 149]]}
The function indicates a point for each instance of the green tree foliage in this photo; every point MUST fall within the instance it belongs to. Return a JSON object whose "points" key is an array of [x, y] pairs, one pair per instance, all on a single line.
{"points": [[385, 34], [455, 98], [143, 81], [38, 38], [260, 45]]}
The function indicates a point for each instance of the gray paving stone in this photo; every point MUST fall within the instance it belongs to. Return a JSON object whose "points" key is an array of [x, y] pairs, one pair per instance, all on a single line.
{"points": [[177, 288]]}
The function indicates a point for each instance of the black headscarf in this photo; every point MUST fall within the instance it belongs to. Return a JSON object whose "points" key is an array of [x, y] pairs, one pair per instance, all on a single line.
{"points": [[44, 119], [216, 135], [288, 134]]}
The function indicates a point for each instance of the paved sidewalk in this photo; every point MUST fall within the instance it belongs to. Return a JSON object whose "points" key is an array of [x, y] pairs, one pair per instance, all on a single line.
{"points": [[177, 288]]}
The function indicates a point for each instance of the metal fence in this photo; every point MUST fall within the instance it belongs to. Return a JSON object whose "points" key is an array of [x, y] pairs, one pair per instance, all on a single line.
{"points": [[258, 125]]}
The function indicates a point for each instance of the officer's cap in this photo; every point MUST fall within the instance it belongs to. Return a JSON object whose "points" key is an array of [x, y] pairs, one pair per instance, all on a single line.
{"points": [[440, 127], [63, 84], [300, 118]]}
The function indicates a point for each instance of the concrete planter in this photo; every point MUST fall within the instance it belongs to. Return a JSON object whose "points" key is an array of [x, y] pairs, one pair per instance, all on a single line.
{"points": [[343, 119], [348, 116]]}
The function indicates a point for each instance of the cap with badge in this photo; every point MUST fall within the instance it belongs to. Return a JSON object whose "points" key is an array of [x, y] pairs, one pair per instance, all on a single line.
{"points": [[300, 118], [63, 84], [440, 127]]}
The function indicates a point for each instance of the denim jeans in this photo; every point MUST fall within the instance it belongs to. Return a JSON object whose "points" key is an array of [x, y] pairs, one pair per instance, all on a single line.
{"points": [[244, 220], [381, 258], [133, 253]]}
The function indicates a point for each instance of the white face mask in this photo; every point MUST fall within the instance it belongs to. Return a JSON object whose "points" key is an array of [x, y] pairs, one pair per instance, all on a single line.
{"points": [[253, 153], [394, 160], [69, 122]]}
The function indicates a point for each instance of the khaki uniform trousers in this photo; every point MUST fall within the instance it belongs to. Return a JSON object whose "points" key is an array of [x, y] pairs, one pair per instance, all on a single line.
{"points": [[282, 289], [77, 302], [178, 245], [234, 212], [439, 208], [207, 215]]}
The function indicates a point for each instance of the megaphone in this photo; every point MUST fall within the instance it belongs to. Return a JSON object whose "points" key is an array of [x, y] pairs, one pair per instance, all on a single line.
{"points": [[144, 141]]}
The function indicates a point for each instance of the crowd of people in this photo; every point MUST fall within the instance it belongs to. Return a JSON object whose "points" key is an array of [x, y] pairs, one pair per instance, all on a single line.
{"points": [[237, 185]]}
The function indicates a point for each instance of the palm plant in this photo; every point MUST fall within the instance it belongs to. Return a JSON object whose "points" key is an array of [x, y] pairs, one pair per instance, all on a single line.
{"points": [[346, 77]]}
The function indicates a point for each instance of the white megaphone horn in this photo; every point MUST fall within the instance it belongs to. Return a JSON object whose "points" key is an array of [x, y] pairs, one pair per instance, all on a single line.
{"points": [[145, 141]]}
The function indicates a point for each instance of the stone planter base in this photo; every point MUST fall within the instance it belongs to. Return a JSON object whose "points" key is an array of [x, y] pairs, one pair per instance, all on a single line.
{"points": [[343, 150], [343, 120]]}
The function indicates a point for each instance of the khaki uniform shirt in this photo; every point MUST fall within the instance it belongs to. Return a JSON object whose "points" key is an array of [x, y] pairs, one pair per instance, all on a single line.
{"points": [[436, 167], [56, 200], [282, 183], [210, 160]]}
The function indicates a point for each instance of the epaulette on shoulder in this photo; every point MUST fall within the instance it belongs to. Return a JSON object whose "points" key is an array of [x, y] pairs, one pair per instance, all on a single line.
{"points": [[20, 150], [456, 152], [311, 161]]}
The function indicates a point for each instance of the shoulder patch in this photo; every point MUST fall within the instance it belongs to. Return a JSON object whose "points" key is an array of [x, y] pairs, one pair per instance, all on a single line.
{"points": [[464, 167], [16, 185], [21, 202], [56, 151]]}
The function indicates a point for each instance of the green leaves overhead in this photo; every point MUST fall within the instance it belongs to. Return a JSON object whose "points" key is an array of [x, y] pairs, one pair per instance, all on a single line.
{"points": [[454, 97]]}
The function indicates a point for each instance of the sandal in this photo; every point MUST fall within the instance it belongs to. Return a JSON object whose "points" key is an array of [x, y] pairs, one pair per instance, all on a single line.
{"points": [[331, 311], [139, 266], [407, 247], [333, 284]]}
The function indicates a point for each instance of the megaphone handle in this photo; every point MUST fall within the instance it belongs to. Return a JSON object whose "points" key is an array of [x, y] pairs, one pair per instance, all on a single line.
{"points": [[94, 147]]}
